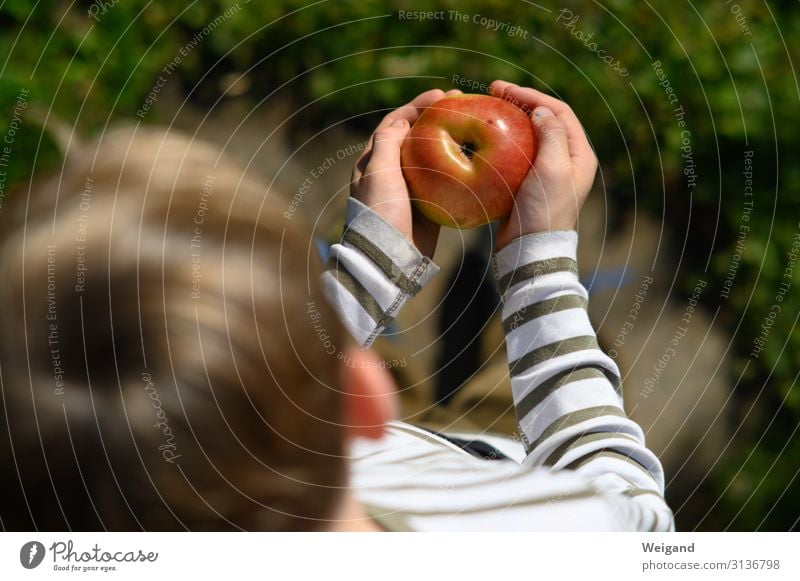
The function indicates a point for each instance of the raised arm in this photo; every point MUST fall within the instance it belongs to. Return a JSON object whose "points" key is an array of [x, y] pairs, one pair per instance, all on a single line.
{"points": [[384, 257], [566, 391]]}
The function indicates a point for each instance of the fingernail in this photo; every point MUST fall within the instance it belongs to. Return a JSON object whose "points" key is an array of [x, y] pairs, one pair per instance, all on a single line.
{"points": [[542, 112], [398, 123]]}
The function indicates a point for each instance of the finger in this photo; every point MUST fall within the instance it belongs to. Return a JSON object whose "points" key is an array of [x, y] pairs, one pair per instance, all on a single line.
{"points": [[360, 165], [412, 110], [533, 98], [409, 112], [453, 92], [386, 147], [579, 147], [551, 131], [498, 87], [503, 89], [528, 96]]}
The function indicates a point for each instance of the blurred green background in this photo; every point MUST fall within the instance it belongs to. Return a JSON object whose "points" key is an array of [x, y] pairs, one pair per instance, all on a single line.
{"points": [[730, 65]]}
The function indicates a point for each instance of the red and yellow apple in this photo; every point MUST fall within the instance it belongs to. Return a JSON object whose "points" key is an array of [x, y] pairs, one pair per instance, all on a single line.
{"points": [[465, 158]]}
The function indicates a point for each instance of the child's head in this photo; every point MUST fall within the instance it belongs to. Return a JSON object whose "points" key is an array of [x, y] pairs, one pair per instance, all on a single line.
{"points": [[166, 353]]}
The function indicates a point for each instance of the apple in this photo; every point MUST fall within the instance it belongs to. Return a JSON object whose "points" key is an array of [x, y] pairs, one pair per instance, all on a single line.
{"points": [[465, 158]]}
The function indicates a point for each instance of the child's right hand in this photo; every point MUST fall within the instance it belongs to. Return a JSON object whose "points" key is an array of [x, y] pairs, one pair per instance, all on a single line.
{"points": [[556, 187]]}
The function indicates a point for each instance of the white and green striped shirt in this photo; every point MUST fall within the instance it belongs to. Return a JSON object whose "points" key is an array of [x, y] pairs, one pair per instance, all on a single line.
{"points": [[581, 463]]}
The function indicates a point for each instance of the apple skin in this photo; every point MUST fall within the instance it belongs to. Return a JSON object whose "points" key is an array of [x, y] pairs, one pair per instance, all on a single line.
{"points": [[465, 158]]}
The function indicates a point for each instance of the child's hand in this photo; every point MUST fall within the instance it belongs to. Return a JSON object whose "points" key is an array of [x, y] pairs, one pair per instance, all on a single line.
{"points": [[378, 179], [556, 187]]}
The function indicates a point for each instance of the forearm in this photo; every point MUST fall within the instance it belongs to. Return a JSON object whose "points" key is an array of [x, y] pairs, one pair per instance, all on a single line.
{"points": [[372, 273], [566, 390]]}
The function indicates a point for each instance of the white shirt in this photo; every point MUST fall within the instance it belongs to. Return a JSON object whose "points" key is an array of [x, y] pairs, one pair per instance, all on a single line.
{"points": [[580, 464]]}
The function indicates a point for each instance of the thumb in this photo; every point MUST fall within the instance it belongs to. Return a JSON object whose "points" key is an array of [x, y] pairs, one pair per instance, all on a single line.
{"points": [[553, 144], [386, 146]]}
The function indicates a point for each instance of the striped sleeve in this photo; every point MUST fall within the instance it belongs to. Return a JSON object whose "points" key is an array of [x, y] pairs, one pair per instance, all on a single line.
{"points": [[372, 272], [566, 391]]}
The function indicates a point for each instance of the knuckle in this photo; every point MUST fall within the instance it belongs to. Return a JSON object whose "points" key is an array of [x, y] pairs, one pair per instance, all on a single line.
{"points": [[384, 133], [562, 107], [557, 124]]}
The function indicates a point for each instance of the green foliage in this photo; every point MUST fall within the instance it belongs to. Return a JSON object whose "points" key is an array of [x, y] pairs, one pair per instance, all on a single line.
{"points": [[356, 59]]}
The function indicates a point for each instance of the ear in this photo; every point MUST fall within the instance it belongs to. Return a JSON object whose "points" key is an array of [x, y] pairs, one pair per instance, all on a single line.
{"points": [[370, 393]]}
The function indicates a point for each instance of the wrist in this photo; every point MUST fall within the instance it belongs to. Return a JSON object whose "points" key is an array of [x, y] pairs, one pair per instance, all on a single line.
{"points": [[378, 240], [538, 248], [507, 236]]}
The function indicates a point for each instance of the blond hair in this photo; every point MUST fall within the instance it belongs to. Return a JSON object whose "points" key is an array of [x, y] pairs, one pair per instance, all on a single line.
{"points": [[159, 370]]}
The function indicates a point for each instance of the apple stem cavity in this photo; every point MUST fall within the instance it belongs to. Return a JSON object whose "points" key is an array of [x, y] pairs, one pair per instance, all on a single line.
{"points": [[468, 149]]}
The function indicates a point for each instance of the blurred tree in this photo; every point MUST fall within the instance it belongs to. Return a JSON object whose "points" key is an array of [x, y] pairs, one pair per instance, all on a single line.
{"points": [[703, 85]]}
